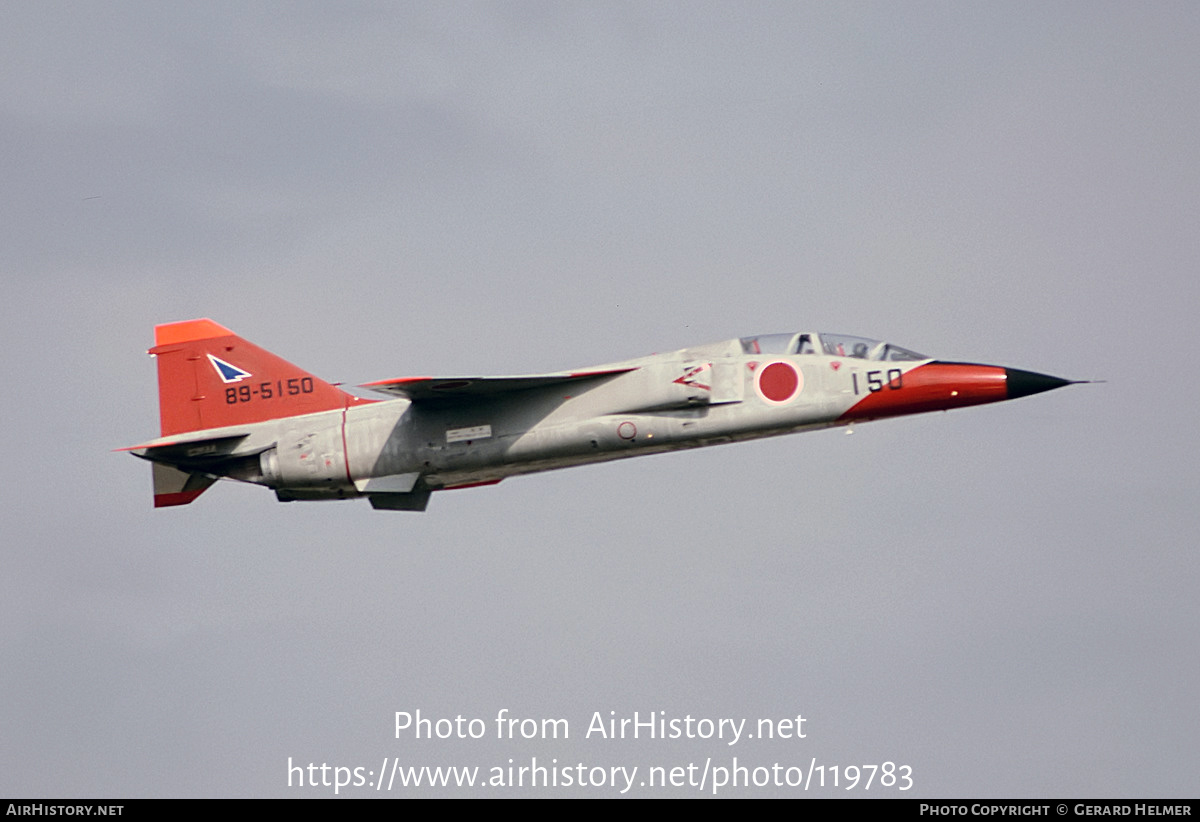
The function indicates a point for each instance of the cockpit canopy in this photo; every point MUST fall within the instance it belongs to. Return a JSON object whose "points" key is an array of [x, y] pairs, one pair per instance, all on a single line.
{"points": [[834, 345]]}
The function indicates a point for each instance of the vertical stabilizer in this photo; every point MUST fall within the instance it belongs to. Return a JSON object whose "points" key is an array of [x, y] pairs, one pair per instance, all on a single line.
{"points": [[208, 377]]}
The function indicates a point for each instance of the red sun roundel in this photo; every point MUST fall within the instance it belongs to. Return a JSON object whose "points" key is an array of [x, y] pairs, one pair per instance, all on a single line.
{"points": [[779, 382]]}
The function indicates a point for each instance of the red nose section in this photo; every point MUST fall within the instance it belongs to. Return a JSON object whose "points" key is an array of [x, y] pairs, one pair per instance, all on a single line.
{"points": [[940, 386]]}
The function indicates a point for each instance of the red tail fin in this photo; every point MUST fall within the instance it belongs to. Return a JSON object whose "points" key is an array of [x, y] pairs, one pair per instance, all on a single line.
{"points": [[208, 377]]}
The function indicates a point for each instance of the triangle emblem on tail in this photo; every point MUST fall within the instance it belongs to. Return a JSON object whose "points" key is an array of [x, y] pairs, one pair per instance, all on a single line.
{"points": [[226, 371]]}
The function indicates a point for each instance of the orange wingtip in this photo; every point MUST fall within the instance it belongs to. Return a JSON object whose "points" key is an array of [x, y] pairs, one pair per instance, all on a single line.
{"points": [[398, 381], [137, 447], [188, 330]]}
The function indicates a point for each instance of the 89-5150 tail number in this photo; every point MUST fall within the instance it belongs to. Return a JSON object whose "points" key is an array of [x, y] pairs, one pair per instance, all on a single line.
{"points": [[266, 390]]}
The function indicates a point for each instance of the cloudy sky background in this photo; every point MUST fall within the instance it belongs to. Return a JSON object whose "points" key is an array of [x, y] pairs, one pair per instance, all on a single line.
{"points": [[1002, 598]]}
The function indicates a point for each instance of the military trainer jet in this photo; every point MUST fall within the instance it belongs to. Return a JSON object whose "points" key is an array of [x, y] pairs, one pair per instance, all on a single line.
{"points": [[231, 410]]}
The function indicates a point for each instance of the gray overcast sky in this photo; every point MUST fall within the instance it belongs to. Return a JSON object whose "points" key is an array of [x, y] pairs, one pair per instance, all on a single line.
{"points": [[1002, 598]]}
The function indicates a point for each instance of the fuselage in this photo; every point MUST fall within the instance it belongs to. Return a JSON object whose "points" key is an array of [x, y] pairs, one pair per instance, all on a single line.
{"points": [[452, 433]]}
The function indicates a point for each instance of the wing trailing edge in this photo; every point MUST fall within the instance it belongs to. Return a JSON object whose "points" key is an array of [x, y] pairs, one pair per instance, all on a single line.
{"points": [[423, 389]]}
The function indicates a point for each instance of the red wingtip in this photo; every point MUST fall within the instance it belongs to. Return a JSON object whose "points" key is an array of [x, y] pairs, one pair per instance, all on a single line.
{"points": [[188, 330], [176, 498]]}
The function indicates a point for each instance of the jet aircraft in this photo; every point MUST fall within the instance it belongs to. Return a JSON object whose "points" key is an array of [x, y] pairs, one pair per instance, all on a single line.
{"points": [[231, 410]]}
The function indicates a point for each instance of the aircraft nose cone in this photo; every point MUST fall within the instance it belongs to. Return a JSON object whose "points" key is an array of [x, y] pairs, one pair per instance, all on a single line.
{"points": [[1023, 383], [941, 386]]}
